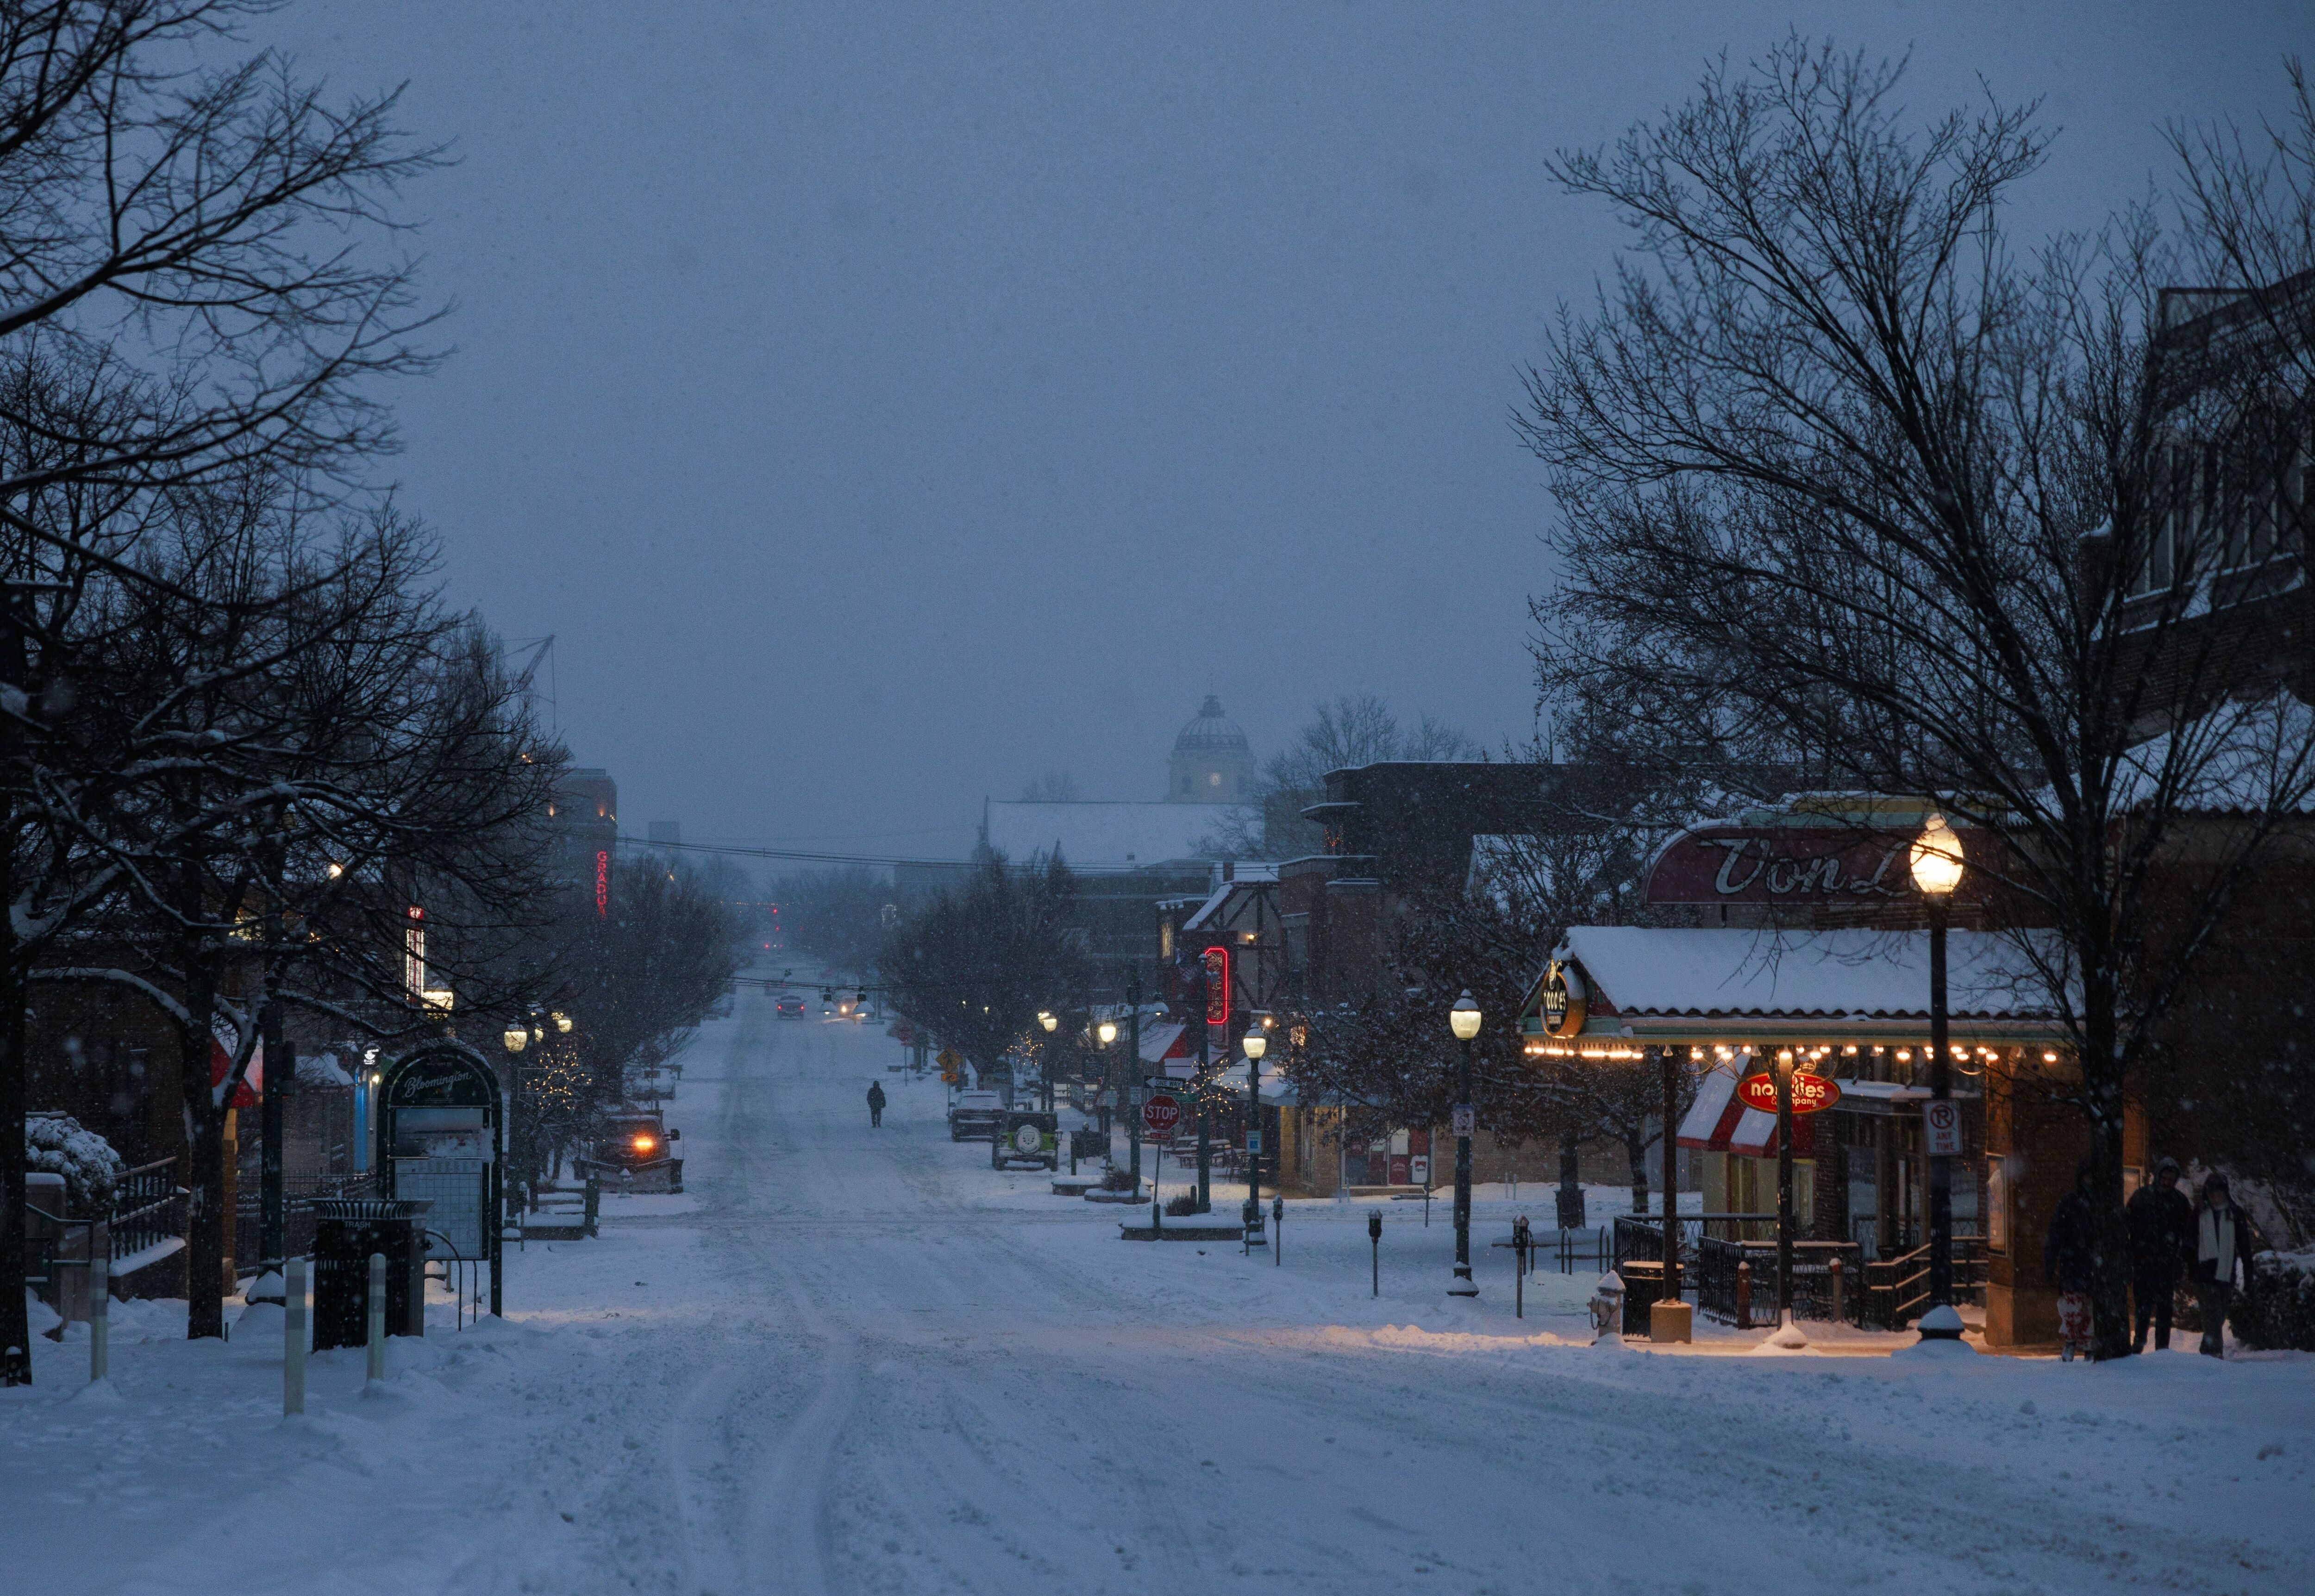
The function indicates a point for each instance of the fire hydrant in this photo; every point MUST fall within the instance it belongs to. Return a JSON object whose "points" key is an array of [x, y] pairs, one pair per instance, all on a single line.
{"points": [[1607, 1307]]}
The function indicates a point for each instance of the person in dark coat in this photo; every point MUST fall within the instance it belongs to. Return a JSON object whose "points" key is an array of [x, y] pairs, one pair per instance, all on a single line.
{"points": [[876, 1102], [2066, 1264], [2161, 1230], [2225, 1240]]}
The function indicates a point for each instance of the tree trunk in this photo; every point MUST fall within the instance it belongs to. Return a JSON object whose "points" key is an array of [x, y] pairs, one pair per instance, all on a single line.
{"points": [[1636, 1148], [2109, 1228], [205, 1156], [15, 1324]]}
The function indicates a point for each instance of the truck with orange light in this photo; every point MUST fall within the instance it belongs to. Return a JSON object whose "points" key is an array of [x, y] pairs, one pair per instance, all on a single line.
{"points": [[632, 1149]]}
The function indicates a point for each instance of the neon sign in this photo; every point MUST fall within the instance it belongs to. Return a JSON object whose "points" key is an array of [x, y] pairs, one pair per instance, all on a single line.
{"points": [[1218, 989], [603, 884]]}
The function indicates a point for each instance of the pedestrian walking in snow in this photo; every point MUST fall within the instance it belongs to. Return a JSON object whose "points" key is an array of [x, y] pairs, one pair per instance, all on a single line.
{"points": [[2066, 1264], [876, 1102], [2161, 1241], [2224, 1240]]}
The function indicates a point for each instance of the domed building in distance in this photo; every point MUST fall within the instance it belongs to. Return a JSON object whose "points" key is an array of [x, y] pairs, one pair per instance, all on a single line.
{"points": [[1211, 762]]}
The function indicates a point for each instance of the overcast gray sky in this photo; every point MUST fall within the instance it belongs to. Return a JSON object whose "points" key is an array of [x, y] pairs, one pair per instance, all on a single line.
{"points": [[883, 405]]}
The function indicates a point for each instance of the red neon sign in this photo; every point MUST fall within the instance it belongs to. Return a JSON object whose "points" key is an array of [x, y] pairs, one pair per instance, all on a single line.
{"points": [[1217, 990], [603, 884]]}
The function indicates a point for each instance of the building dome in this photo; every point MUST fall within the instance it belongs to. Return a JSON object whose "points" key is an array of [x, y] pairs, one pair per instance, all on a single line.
{"points": [[1212, 762], [1211, 731]]}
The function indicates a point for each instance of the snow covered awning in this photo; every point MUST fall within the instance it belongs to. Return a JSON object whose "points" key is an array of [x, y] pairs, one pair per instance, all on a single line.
{"points": [[1644, 984], [1160, 1042]]}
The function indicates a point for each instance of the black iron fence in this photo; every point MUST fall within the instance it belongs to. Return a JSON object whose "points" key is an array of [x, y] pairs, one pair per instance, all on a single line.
{"points": [[299, 1192], [1736, 1280]]}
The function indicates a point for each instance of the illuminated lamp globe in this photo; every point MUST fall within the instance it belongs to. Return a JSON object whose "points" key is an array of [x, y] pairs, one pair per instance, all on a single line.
{"points": [[562, 1022], [1937, 857], [516, 1037], [1049, 1021], [1255, 1043], [1107, 1032], [1463, 1019]]}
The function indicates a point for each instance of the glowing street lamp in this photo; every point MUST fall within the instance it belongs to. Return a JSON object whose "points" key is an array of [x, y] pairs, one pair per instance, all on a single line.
{"points": [[517, 1036], [1936, 868], [1257, 1043], [1463, 1020]]}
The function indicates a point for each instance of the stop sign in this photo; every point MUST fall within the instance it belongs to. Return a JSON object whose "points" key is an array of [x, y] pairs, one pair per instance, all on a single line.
{"points": [[1160, 1114]]}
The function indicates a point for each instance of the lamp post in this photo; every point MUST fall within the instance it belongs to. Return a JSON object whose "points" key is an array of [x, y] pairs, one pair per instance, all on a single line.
{"points": [[1133, 1065], [1463, 1020], [1937, 867], [1051, 1022], [1107, 1032], [1256, 1044]]}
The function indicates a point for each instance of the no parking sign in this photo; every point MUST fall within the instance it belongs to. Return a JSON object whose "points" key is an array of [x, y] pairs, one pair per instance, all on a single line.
{"points": [[1941, 1127]]}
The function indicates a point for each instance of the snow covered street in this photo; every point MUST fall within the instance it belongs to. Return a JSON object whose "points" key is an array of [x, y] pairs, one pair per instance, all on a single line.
{"points": [[853, 1359]]}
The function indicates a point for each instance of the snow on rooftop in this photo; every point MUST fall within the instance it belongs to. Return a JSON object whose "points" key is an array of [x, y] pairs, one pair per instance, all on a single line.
{"points": [[1108, 833], [1656, 970]]}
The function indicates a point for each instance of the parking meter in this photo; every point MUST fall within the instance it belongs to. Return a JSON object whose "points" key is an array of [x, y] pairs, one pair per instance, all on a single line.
{"points": [[1374, 1235], [1277, 1230]]}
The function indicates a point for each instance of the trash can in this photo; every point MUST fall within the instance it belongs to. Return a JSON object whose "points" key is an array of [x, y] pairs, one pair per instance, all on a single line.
{"points": [[347, 1231], [1643, 1284]]}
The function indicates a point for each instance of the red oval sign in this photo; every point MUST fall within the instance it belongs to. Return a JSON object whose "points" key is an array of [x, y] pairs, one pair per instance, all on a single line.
{"points": [[1160, 1114], [1810, 1093]]}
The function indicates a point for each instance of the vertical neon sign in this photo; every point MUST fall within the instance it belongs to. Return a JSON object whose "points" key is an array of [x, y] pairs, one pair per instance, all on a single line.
{"points": [[1218, 989], [413, 953], [603, 884]]}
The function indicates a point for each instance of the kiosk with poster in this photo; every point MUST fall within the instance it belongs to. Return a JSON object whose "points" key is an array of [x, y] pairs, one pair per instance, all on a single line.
{"points": [[441, 1137]]}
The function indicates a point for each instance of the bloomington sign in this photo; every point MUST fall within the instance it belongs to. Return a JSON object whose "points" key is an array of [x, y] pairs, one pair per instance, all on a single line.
{"points": [[1785, 864]]}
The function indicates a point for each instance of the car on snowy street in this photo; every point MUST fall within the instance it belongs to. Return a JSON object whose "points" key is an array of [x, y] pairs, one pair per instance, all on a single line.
{"points": [[788, 1006], [1025, 1136], [974, 1114], [632, 1149]]}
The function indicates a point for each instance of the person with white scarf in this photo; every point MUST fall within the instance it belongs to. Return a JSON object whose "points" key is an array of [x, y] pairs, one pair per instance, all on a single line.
{"points": [[2224, 1240]]}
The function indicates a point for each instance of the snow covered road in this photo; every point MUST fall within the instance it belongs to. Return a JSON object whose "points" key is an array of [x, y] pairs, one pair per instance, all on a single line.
{"points": [[852, 1360]]}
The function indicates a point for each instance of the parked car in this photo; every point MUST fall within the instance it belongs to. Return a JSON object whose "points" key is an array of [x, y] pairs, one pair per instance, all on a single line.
{"points": [[788, 1006], [974, 1114], [1025, 1136]]}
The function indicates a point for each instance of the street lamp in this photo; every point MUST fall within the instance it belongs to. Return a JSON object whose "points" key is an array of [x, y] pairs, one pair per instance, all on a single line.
{"points": [[1257, 1043], [1463, 1020], [1050, 1021], [517, 1036], [1937, 867], [562, 1021], [1107, 1032]]}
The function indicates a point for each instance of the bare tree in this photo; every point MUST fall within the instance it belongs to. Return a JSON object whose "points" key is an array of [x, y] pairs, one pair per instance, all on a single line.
{"points": [[189, 284], [970, 968], [1848, 482]]}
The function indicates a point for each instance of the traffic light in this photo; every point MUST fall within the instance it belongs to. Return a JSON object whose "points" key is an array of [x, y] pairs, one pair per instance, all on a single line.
{"points": [[827, 994], [862, 999]]}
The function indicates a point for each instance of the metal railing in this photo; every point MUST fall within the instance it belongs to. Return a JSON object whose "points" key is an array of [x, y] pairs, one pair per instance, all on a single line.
{"points": [[1897, 1289], [148, 1207]]}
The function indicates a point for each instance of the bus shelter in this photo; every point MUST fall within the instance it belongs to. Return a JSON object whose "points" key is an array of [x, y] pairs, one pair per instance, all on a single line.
{"points": [[441, 1137]]}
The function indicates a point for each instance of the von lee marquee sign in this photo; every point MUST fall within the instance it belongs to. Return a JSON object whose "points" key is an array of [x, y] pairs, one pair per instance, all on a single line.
{"points": [[1784, 865]]}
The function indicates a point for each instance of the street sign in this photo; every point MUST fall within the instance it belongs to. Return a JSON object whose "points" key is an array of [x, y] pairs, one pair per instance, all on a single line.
{"points": [[1467, 1120], [1811, 1093], [1941, 1127], [1160, 1114], [946, 1058], [1253, 1141]]}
